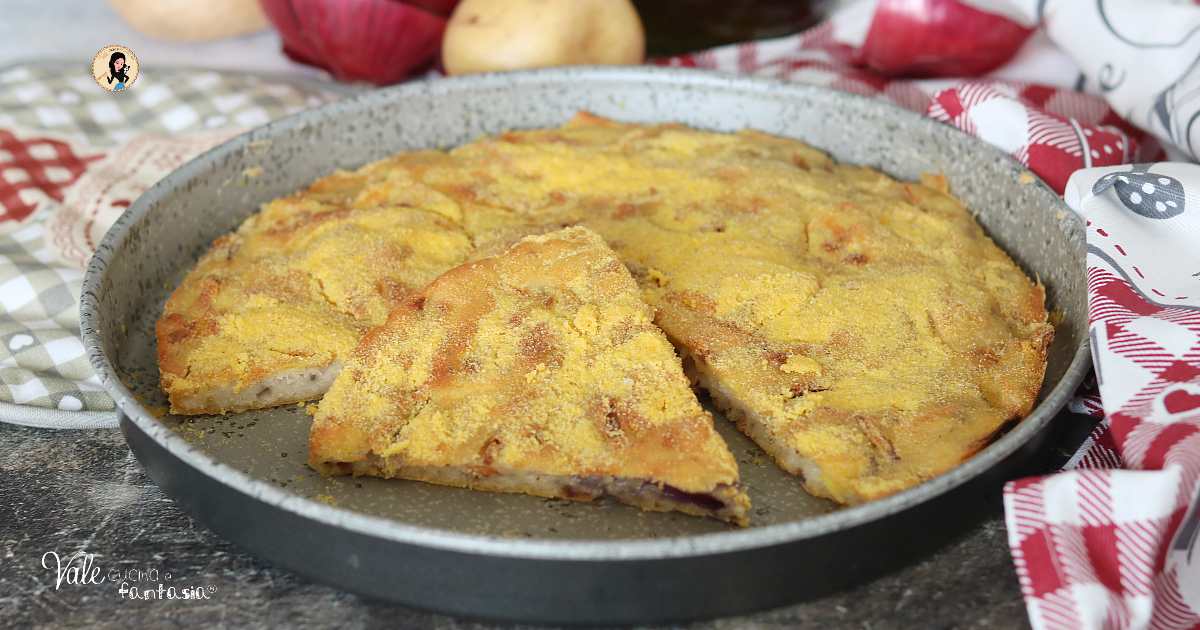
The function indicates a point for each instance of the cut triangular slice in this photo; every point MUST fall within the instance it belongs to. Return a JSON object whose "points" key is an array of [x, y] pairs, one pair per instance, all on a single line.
{"points": [[269, 312], [536, 371]]}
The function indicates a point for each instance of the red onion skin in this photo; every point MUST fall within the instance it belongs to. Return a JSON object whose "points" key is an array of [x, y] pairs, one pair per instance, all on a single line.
{"points": [[938, 38], [440, 7], [379, 41]]}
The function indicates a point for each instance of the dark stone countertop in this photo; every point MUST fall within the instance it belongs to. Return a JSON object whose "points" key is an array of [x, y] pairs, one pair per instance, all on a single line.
{"points": [[63, 492]]}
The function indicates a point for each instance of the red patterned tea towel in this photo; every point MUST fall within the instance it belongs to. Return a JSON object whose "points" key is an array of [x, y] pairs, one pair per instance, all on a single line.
{"points": [[1104, 548], [109, 186], [36, 166], [1140, 54], [1054, 146]]}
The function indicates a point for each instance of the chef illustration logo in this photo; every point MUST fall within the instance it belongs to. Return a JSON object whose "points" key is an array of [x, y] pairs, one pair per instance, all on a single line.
{"points": [[115, 68]]}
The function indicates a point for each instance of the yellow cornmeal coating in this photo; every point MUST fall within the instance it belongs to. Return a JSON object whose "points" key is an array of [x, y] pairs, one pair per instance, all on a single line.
{"points": [[543, 360]]}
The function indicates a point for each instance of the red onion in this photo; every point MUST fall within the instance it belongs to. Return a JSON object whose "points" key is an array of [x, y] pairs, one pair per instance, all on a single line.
{"points": [[380, 41], [441, 7], [939, 38]]}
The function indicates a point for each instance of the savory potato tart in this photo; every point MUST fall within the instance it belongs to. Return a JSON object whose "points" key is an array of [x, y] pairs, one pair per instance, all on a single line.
{"points": [[864, 332], [536, 371]]}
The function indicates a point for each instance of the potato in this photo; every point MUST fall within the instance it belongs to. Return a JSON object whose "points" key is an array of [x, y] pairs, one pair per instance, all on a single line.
{"points": [[189, 21], [487, 35]]}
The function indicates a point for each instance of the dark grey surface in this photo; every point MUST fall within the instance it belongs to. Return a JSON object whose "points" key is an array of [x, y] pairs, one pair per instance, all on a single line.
{"points": [[71, 491], [616, 563]]}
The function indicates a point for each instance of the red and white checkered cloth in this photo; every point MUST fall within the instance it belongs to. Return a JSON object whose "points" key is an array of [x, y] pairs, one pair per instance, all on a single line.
{"points": [[1102, 546]]}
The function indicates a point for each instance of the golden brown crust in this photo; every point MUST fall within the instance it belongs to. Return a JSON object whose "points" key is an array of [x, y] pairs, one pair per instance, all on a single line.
{"points": [[542, 363]]}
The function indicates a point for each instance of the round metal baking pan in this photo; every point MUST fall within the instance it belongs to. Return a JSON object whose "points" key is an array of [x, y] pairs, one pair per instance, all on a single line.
{"points": [[516, 557]]}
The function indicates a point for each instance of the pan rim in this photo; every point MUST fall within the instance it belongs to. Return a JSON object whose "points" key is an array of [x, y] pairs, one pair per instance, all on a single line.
{"points": [[556, 550]]}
